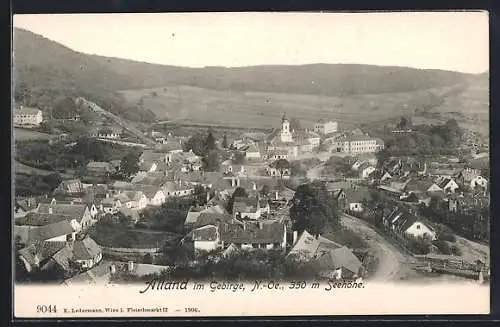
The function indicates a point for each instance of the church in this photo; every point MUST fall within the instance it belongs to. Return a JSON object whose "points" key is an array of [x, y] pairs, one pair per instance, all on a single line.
{"points": [[288, 144]]}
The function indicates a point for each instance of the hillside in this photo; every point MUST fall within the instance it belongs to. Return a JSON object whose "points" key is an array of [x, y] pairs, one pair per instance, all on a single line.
{"points": [[46, 71]]}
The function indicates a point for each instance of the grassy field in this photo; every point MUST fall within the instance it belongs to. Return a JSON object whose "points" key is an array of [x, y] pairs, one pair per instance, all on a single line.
{"points": [[20, 168], [255, 109], [21, 134]]}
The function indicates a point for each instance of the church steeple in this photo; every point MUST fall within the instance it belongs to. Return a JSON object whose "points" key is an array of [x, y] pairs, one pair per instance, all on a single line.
{"points": [[284, 117], [285, 134]]}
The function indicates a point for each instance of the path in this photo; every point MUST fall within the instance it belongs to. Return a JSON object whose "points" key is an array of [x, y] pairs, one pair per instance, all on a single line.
{"points": [[392, 263]]}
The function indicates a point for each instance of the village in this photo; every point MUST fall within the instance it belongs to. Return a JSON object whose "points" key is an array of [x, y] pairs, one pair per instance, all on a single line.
{"points": [[325, 201]]}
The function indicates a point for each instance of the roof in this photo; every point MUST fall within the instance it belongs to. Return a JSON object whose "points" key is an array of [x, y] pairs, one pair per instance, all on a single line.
{"points": [[307, 246], [85, 249], [357, 194], [245, 205], [146, 165], [26, 111], [75, 210], [278, 153], [99, 165], [443, 182], [40, 251], [205, 233], [30, 234], [355, 138], [251, 232], [151, 155], [148, 190], [41, 219], [340, 258], [208, 218], [253, 148], [27, 204], [129, 213]]}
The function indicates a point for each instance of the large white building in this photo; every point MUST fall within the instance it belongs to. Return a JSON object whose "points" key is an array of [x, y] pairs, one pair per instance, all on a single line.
{"points": [[27, 117], [358, 144], [328, 127]]}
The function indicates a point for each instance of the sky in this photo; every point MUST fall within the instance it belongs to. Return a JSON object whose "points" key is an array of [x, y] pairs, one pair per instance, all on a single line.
{"points": [[457, 41]]}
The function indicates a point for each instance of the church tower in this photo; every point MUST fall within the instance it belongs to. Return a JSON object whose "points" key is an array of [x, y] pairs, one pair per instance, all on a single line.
{"points": [[286, 135]]}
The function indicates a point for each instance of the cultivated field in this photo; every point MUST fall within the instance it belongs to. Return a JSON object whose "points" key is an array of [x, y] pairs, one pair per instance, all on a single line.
{"points": [[21, 134], [255, 109]]}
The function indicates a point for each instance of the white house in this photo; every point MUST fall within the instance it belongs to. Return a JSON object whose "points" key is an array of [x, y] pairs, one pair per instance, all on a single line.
{"points": [[419, 229], [206, 238], [254, 235], [27, 117], [252, 152], [448, 185], [111, 206], [86, 253], [251, 208], [326, 127], [155, 196], [405, 223], [478, 181], [177, 188], [366, 172]]}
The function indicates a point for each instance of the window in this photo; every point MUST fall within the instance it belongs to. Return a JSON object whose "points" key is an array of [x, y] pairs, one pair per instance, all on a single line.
{"points": [[418, 226]]}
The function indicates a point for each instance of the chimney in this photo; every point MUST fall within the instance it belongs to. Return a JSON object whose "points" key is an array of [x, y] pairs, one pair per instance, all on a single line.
{"points": [[254, 186], [107, 195], [237, 182], [233, 183], [50, 210], [208, 197], [130, 265], [295, 236], [261, 224], [112, 269], [276, 196]]}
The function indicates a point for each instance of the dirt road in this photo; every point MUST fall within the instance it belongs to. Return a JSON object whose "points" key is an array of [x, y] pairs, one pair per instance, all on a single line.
{"points": [[392, 263]]}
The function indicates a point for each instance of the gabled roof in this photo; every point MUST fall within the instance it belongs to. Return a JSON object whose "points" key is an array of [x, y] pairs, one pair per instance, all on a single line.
{"points": [[149, 191], [40, 251], [307, 246], [250, 232], [75, 210], [99, 165], [26, 111], [341, 257], [29, 234], [146, 165], [357, 194], [85, 249], [208, 218]]}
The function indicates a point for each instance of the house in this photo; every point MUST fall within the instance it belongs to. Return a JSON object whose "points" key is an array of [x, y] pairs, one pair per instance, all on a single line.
{"points": [[154, 195], [307, 247], [366, 171], [325, 127], [405, 223], [27, 117], [447, 185], [478, 181], [194, 214], [110, 205], [275, 171], [60, 231], [254, 235], [68, 257], [136, 200], [70, 186], [252, 152], [99, 169], [86, 253], [177, 188], [42, 219], [78, 211], [278, 154], [107, 132], [249, 207], [355, 166], [23, 206], [235, 170], [152, 156], [355, 196], [206, 238], [339, 263], [358, 144]]}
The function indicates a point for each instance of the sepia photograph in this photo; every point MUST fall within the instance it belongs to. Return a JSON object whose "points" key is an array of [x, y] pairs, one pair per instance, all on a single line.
{"points": [[279, 163]]}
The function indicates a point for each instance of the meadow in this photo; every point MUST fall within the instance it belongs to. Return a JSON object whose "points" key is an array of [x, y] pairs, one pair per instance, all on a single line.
{"points": [[21, 134], [189, 104]]}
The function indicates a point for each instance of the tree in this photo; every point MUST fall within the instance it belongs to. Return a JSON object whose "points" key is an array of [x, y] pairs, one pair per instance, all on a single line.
{"points": [[224, 141], [212, 161], [238, 192], [313, 209], [265, 189], [295, 124], [200, 195], [64, 108], [239, 158], [196, 143], [129, 165], [210, 142], [282, 165]]}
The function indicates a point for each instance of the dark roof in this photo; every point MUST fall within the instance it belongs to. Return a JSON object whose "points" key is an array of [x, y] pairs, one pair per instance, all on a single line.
{"points": [[27, 204], [357, 194], [75, 210], [85, 249], [151, 156], [31, 234], [251, 232], [41, 219], [341, 257], [41, 251], [244, 204], [205, 233], [208, 218]]}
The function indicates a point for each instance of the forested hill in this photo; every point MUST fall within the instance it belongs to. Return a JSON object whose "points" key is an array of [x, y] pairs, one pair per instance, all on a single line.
{"points": [[46, 70]]}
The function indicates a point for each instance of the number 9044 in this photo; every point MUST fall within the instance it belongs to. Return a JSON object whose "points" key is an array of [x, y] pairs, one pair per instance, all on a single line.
{"points": [[46, 309]]}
